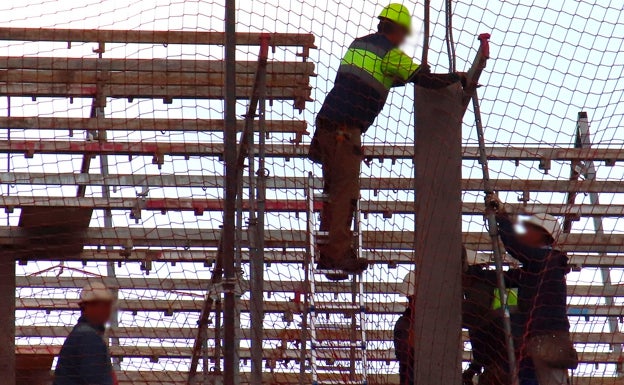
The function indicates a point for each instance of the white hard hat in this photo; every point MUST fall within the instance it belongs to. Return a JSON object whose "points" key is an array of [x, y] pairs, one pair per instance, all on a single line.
{"points": [[546, 222], [95, 291], [409, 282]]}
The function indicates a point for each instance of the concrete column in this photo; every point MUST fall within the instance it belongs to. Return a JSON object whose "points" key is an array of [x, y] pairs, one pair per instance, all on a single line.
{"points": [[438, 242], [7, 320]]}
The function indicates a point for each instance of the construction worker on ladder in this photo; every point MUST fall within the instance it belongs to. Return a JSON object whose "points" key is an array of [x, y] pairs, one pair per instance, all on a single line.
{"points": [[371, 66]]}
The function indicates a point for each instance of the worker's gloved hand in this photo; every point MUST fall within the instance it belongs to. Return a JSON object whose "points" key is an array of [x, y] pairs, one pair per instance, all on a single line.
{"points": [[494, 204]]}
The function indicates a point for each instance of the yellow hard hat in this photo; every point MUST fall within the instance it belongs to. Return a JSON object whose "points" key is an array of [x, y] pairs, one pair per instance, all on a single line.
{"points": [[398, 14]]}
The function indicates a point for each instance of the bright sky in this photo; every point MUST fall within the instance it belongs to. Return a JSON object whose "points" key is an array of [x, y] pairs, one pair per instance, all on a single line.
{"points": [[550, 60]]}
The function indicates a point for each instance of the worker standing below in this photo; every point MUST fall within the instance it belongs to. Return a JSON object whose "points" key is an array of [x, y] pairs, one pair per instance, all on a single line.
{"points": [[403, 333], [84, 358], [542, 292], [372, 65], [481, 317]]}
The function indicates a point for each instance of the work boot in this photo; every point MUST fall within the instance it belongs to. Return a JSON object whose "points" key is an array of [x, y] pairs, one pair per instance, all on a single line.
{"points": [[353, 265], [325, 263]]}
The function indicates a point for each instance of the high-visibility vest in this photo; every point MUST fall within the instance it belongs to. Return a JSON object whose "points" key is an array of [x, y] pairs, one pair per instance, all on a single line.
{"points": [[512, 299], [377, 63]]}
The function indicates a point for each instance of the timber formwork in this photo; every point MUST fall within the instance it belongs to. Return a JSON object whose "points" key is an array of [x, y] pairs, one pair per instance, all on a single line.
{"points": [[102, 79]]}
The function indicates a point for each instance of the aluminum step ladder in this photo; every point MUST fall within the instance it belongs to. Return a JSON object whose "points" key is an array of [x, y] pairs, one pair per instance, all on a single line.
{"points": [[336, 322]]}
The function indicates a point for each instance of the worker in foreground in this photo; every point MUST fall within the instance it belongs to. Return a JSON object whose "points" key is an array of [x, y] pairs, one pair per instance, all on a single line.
{"points": [[84, 358], [403, 333], [372, 65], [542, 293]]}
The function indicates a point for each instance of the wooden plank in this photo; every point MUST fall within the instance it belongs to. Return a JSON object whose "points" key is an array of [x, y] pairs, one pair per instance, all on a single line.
{"points": [[188, 333], [20, 241], [184, 352], [291, 378], [156, 78], [287, 150], [208, 256], [142, 124], [298, 308], [272, 286], [199, 67], [128, 91], [294, 206], [151, 37], [297, 182]]}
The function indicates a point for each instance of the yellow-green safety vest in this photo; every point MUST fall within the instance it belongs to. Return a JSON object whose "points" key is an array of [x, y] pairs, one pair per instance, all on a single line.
{"points": [[512, 299], [377, 63]]}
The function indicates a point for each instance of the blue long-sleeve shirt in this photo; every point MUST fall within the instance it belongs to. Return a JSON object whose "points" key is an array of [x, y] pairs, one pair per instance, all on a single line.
{"points": [[84, 358], [542, 289]]}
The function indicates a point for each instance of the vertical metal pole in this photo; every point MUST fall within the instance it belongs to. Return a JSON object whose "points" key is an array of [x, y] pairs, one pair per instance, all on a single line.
{"points": [[426, 22], [257, 218], [7, 320], [7, 299], [498, 253], [100, 102], [230, 350]]}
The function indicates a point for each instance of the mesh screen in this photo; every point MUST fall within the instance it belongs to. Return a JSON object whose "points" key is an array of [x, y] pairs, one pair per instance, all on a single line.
{"points": [[111, 170]]}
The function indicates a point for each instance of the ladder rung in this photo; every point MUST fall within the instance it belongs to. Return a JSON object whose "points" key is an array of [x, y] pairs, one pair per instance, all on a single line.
{"points": [[321, 197], [332, 271], [339, 382], [335, 327], [333, 368], [325, 234], [347, 346], [337, 306]]}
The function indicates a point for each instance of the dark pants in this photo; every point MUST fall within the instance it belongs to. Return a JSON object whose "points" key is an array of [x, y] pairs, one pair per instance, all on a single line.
{"points": [[338, 150]]}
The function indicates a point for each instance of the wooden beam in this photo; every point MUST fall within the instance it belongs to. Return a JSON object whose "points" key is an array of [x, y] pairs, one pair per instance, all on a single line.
{"points": [[292, 378], [151, 37], [208, 256], [141, 124], [294, 206], [199, 67], [141, 78], [272, 286], [17, 239], [298, 308], [287, 150], [184, 352], [128, 91], [291, 335], [281, 182]]}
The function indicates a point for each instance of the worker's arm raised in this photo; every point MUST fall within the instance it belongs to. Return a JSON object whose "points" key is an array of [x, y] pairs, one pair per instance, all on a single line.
{"points": [[398, 65]]}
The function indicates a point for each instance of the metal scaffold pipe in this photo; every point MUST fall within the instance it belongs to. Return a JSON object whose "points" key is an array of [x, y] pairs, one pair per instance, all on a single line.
{"points": [[498, 252], [230, 348]]}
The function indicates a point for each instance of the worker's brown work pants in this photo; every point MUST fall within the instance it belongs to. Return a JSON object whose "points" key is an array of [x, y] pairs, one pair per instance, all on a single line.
{"points": [[539, 349], [338, 149]]}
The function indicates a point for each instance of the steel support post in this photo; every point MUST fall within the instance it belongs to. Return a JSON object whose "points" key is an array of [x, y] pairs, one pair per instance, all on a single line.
{"points": [[7, 320], [230, 348], [256, 220], [98, 113], [438, 237]]}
